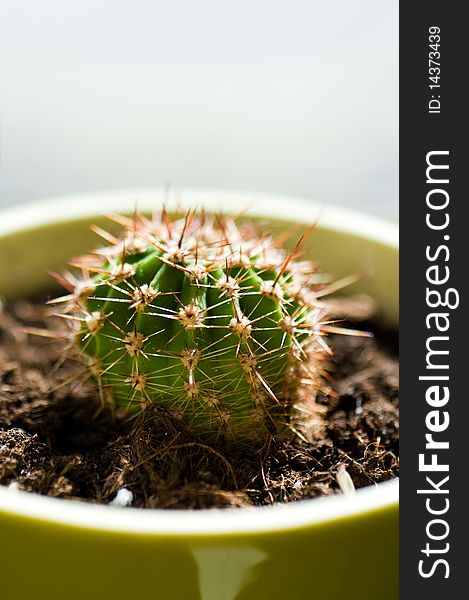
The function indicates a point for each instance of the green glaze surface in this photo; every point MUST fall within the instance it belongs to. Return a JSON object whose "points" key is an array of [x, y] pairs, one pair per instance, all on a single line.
{"points": [[279, 554], [347, 559]]}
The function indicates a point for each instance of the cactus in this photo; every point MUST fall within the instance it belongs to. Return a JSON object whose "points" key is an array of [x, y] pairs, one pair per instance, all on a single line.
{"points": [[212, 321]]}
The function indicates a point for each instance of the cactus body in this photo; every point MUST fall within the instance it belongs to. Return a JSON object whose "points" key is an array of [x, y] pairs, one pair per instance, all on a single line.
{"points": [[211, 321]]}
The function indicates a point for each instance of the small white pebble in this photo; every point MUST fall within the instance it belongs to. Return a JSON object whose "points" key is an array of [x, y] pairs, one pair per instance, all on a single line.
{"points": [[14, 486], [124, 497], [297, 485], [345, 481]]}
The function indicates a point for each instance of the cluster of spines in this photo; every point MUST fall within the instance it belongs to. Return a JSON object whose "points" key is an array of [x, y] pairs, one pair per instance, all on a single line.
{"points": [[210, 320]]}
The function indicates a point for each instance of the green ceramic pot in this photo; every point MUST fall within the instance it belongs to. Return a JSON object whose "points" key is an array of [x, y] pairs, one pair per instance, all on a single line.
{"points": [[339, 548]]}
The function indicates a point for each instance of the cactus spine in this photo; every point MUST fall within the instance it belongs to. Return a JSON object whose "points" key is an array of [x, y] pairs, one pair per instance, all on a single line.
{"points": [[210, 320]]}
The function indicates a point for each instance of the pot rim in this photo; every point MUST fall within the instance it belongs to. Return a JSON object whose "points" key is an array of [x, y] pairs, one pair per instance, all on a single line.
{"points": [[131, 520], [61, 208], [211, 521]]}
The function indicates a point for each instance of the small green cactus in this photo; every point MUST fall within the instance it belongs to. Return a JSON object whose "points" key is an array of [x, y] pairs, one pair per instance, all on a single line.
{"points": [[212, 321]]}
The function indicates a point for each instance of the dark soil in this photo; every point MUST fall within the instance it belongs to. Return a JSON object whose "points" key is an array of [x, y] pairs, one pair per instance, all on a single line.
{"points": [[57, 438]]}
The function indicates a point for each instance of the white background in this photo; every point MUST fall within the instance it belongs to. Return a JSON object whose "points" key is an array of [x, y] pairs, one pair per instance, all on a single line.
{"points": [[296, 96]]}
